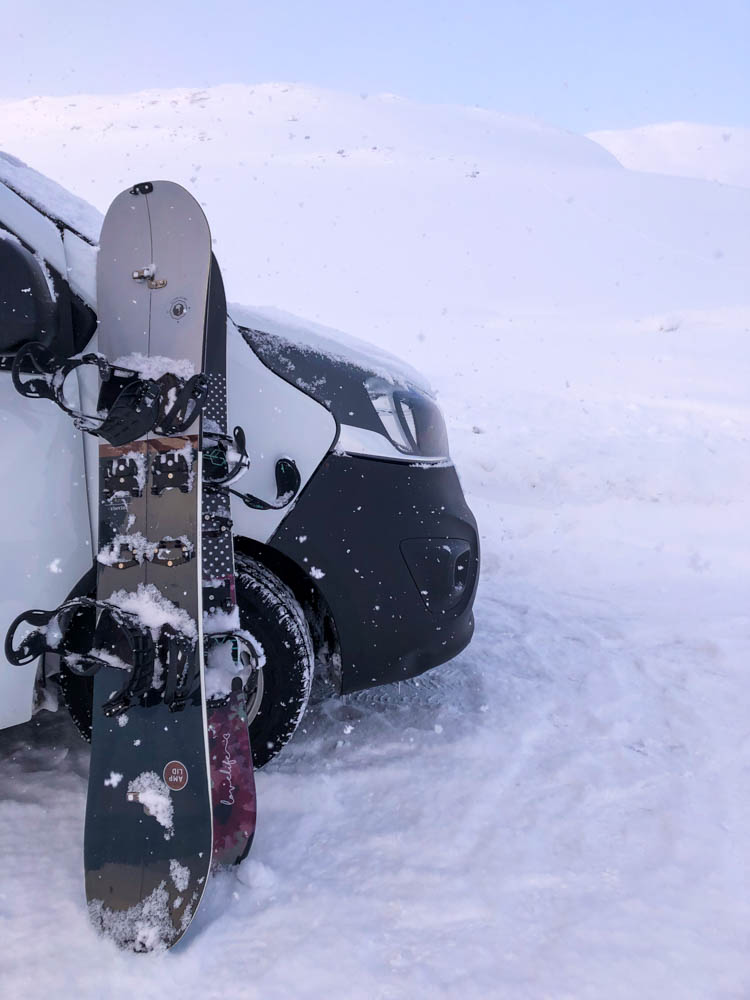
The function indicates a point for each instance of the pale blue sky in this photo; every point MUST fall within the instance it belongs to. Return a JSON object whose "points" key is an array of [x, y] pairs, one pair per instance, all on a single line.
{"points": [[582, 64]]}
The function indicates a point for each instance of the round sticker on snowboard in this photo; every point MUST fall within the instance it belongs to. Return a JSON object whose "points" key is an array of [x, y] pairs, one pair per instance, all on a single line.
{"points": [[175, 775]]}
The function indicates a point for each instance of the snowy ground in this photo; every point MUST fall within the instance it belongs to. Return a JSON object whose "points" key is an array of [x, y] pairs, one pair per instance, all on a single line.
{"points": [[561, 812]]}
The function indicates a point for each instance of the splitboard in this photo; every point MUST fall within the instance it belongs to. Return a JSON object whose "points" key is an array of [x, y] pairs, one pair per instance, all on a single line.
{"points": [[171, 786], [148, 833]]}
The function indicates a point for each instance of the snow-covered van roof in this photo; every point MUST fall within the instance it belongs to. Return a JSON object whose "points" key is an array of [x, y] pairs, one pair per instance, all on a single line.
{"points": [[50, 198]]}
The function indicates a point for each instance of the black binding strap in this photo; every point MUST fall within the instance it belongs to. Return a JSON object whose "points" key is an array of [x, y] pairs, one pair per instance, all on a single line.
{"points": [[181, 667], [175, 418], [34, 644], [42, 363], [67, 630], [133, 412], [123, 636]]}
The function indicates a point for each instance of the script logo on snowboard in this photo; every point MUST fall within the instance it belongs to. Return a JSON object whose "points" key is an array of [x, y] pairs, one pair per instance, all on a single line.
{"points": [[175, 775]]}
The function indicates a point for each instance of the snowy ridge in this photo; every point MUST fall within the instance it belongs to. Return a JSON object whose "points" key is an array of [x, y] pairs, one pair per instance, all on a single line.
{"points": [[394, 220], [686, 149], [321, 118]]}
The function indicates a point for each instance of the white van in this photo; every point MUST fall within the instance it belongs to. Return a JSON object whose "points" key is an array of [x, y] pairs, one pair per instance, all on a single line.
{"points": [[368, 577]]}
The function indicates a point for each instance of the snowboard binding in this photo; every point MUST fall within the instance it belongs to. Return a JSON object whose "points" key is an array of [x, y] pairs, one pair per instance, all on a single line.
{"points": [[89, 634], [133, 405]]}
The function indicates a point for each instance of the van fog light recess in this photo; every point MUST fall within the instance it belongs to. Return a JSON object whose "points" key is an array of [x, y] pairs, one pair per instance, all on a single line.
{"points": [[441, 569]]}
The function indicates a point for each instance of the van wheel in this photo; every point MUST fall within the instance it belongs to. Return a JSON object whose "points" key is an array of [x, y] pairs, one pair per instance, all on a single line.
{"points": [[273, 616], [270, 612]]}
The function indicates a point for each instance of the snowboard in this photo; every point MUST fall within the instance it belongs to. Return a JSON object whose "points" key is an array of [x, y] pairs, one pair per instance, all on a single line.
{"points": [[230, 658], [148, 831]]}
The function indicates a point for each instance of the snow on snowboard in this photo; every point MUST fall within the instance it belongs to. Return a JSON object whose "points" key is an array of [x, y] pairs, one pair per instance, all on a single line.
{"points": [[171, 786]]}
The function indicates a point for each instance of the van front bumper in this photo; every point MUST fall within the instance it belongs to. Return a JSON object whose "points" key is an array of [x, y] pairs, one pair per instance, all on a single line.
{"points": [[393, 549]]}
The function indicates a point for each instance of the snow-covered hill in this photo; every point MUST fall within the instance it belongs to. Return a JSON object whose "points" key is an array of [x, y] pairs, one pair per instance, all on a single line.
{"points": [[562, 810], [686, 149], [338, 207]]}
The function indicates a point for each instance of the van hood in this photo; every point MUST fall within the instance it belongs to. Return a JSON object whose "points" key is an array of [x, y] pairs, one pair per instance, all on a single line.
{"points": [[279, 335]]}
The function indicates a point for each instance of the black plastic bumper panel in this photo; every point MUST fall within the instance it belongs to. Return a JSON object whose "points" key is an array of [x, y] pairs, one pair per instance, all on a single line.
{"points": [[393, 549]]}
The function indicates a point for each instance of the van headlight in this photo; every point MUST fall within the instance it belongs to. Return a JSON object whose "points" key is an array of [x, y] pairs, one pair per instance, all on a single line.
{"points": [[377, 416], [411, 420]]}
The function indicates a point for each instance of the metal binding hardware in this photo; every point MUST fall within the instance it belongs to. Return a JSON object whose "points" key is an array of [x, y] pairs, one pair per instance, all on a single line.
{"points": [[121, 479], [132, 405], [173, 552], [83, 642], [126, 558], [149, 273], [215, 525], [135, 402], [170, 471], [218, 596]]}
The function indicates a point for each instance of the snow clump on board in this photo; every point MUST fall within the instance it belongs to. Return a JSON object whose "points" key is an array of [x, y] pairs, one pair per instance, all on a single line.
{"points": [[154, 610], [153, 794], [154, 366], [180, 874], [144, 927]]}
